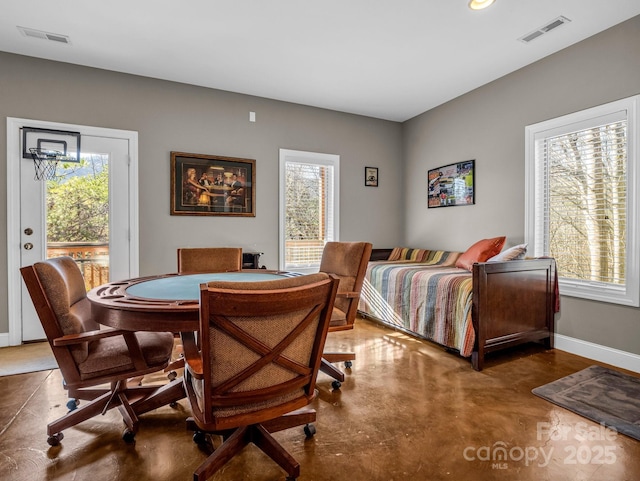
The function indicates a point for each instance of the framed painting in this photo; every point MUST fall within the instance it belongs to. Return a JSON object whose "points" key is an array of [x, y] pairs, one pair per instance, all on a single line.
{"points": [[212, 185], [371, 176], [452, 185]]}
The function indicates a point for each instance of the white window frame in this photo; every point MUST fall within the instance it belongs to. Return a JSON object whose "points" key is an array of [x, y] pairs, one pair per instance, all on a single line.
{"points": [[333, 160], [629, 293]]}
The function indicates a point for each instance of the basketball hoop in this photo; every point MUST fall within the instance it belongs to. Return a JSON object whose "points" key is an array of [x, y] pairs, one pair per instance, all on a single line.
{"points": [[45, 162]]}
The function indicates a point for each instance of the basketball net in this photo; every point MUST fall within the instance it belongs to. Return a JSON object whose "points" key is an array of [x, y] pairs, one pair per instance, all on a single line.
{"points": [[45, 163]]}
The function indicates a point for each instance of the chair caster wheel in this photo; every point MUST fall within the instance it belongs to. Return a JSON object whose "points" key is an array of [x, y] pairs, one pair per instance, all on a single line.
{"points": [[54, 440], [72, 404], [336, 384], [128, 436], [172, 375], [199, 437], [309, 430], [348, 364]]}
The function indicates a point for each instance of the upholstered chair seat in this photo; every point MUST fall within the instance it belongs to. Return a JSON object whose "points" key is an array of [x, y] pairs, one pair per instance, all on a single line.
{"points": [[111, 355], [338, 318], [90, 356]]}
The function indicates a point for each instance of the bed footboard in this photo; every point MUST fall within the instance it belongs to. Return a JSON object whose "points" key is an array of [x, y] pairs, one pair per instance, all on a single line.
{"points": [[513, 303]]}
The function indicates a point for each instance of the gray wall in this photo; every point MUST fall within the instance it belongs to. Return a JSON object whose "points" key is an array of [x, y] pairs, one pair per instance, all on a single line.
{"points": [[488, 125], [170, 116]]}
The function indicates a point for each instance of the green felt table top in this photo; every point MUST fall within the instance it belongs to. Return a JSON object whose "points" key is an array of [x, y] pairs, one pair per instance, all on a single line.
{"points": [[187, 286]]}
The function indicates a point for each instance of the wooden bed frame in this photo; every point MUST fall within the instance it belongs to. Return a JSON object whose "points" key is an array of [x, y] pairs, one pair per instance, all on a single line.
{"points": [[514, 302]]}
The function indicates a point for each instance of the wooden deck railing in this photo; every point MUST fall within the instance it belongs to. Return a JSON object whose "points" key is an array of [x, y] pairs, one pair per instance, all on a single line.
{"points": [[303, 252], [91, 257]]}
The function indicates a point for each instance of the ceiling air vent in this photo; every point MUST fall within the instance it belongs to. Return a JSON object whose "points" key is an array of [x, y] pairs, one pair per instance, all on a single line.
{"points": [[54, 37], [553, 24]]}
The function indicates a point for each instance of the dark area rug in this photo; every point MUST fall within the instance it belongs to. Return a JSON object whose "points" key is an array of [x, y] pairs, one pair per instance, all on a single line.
{"points": [[603, 395]]}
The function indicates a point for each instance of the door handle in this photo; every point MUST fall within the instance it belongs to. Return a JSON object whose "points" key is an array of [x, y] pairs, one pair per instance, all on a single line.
{"points": [[28, 246]]}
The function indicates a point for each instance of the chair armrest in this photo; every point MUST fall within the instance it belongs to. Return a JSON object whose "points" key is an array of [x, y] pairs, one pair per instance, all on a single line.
{"points": [[71, 339], [191, 354], [348, 294]]}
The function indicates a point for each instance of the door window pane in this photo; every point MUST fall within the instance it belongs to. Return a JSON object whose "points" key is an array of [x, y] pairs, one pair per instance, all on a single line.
{"points": [[78, 216]]}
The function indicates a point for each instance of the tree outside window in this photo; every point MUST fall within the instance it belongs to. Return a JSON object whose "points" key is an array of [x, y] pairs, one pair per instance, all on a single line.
{"points": [[582, 187]]}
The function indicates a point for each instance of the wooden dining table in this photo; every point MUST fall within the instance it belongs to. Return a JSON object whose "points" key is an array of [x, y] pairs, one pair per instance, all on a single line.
{"points": [[162, 303]]}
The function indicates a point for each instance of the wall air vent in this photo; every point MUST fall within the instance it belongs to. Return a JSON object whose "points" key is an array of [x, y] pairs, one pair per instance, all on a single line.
{"points": [[553, 24], [54, 37]]}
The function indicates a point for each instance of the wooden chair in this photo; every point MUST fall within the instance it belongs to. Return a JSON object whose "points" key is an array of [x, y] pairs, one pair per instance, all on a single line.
{"points": [[268, 339], [89, 356], [209, 259], [348, 261], [204, 259]]}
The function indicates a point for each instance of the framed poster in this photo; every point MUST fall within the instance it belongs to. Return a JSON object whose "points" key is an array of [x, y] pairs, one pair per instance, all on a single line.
{"points": [[212, 185], [452, 185], [371, 176]]}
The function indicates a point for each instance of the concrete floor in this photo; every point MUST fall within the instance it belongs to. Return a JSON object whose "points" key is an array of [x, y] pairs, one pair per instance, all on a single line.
{"points": [[407, 411]]}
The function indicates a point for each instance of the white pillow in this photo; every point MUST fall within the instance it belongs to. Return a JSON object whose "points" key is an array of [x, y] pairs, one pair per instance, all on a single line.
{"points": [[511, 254]]}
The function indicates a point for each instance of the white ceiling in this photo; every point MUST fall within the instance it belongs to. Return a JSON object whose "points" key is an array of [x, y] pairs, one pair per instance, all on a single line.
{"points": [[389, 59]]}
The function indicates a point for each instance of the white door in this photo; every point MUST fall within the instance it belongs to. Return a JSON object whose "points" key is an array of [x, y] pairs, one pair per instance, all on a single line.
{"points": [[118, 259]]}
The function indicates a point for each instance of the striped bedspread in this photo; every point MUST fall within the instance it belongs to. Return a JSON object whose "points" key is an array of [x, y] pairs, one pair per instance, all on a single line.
{"points": [[431, 300]]}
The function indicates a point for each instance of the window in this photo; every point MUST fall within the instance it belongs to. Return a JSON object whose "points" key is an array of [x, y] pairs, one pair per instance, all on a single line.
{"points": [[582, 188], [309, 186]]}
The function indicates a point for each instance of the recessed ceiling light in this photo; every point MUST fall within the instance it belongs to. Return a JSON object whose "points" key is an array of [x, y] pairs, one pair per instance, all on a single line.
{"points": [[480, 4]]}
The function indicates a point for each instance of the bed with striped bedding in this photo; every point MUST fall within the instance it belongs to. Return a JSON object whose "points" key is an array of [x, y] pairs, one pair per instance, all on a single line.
{"points": [[423, 293], [429, 299]]}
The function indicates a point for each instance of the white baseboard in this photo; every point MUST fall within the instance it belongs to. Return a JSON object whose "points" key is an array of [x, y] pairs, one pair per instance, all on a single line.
{"points": [[4, 339], [607, 355]]}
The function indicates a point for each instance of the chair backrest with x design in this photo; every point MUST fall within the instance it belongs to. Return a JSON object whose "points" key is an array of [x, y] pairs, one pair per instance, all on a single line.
{"points": [[262, 345]]}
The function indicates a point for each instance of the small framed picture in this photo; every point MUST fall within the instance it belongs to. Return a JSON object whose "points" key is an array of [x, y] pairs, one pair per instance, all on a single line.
{"points": [[371, 176]]}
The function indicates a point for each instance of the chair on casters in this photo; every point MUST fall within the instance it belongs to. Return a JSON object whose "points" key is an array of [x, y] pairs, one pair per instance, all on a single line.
{"points": [[203, 260], [89, 356], [267, 338], [209, 259], [348, 261]]}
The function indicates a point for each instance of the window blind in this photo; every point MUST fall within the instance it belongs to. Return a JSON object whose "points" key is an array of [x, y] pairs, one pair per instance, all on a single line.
{"points": [[582, 184], [583, 192]]}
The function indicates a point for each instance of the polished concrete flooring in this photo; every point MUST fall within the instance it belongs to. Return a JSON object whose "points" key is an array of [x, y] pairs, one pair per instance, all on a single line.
{"points": [[407, 411]]}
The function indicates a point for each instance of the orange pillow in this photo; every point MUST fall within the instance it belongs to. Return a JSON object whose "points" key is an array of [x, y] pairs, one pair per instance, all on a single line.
{"points": [[480, 252]]}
